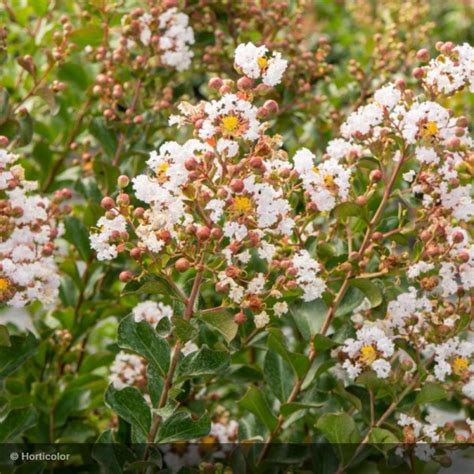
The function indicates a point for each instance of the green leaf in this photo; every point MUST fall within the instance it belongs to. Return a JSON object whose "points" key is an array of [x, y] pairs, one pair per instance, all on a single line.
{"points": [[323, 343], [13, 356], [338, 428], [181, 427], [16, 423], [4, 336], [78, 235], [143, 339], [104, 136], [351, 300], [155, 384], [25, 130], [4, 106], [254, 401], [278, 375], [71, 401], [288, 409], [87, 36], [298, 362], [341, 431], [348, 209], [381, 436], [309, 317], [370, 290], [431, 392], [203, 362], [224, 323], [130, 405], [49, 97], [183, 329], [40, 7]]}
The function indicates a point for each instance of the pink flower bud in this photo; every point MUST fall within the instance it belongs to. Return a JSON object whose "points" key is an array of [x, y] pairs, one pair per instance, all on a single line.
{"points": [[182, 264], [203, 233], [125, 276], [107, 203], [244, 83], [237, 185]]}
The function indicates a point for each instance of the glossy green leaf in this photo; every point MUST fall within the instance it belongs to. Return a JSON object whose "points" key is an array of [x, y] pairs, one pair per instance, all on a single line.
{"points": [[309, 317], [130, 405], [144, 340], [278, 375], [431, 392], [16, 422], [224, 323], [255, 402], [203, 362], [13, 356], [182, 427], [372, 292]]}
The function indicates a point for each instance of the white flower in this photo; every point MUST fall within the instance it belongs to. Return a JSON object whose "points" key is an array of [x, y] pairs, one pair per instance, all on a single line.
{"points": [[175, 39], [189, 348], [255, 63], [418, 268], [388, 96], [127, 370], [307, 269], [151, 312], [261, 320], [280, 308]]}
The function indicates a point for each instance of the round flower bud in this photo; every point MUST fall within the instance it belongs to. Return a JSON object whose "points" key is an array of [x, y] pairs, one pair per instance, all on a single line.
{"points": [[190, 164], [107, 203], [244, 83], [453, 142], [203, 233], [458, 237], [240, 318], [462, 122], [377, 236], [125, 276], [425, 235], [164, 235], [375, 176], [216, 233], [237, 185], [222, 287], [123, 199], [182, 264], [215, 83], [418, 73], [463, 256], [123, 181], [361, 200], [423, 55], [271, 106], [4, 140], [256, 162], [138, 212], [136, 253]]}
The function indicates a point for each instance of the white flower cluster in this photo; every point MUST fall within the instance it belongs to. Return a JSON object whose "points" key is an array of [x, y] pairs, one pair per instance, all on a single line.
{"points": [[151, 312], [420, 430], [127, 370], [306, 270], [327, 183], [28, 229], [450, 73], [255, 62], [454, 357], [104, 242], [371, 348], [174, 37]]}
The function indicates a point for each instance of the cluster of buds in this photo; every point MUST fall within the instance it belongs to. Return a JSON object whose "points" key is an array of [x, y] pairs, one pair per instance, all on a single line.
{"points": [[29, 227], [284, 28], [220, 200]]}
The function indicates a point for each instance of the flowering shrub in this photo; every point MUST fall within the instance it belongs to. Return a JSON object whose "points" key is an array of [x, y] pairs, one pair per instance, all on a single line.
{"points": [[222, 230]]}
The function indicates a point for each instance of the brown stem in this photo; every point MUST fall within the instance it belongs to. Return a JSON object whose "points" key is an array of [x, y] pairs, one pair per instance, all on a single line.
{"points": [[332, 309], [188, 313]]}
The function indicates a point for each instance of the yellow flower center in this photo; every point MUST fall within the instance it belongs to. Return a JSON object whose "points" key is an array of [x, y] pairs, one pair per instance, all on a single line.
{"points": [[242, 205], [329, 181], [460, 365], [230, 123], [430, 129], [262, 62], [161, 171], [368, 355], [4, 285]]}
